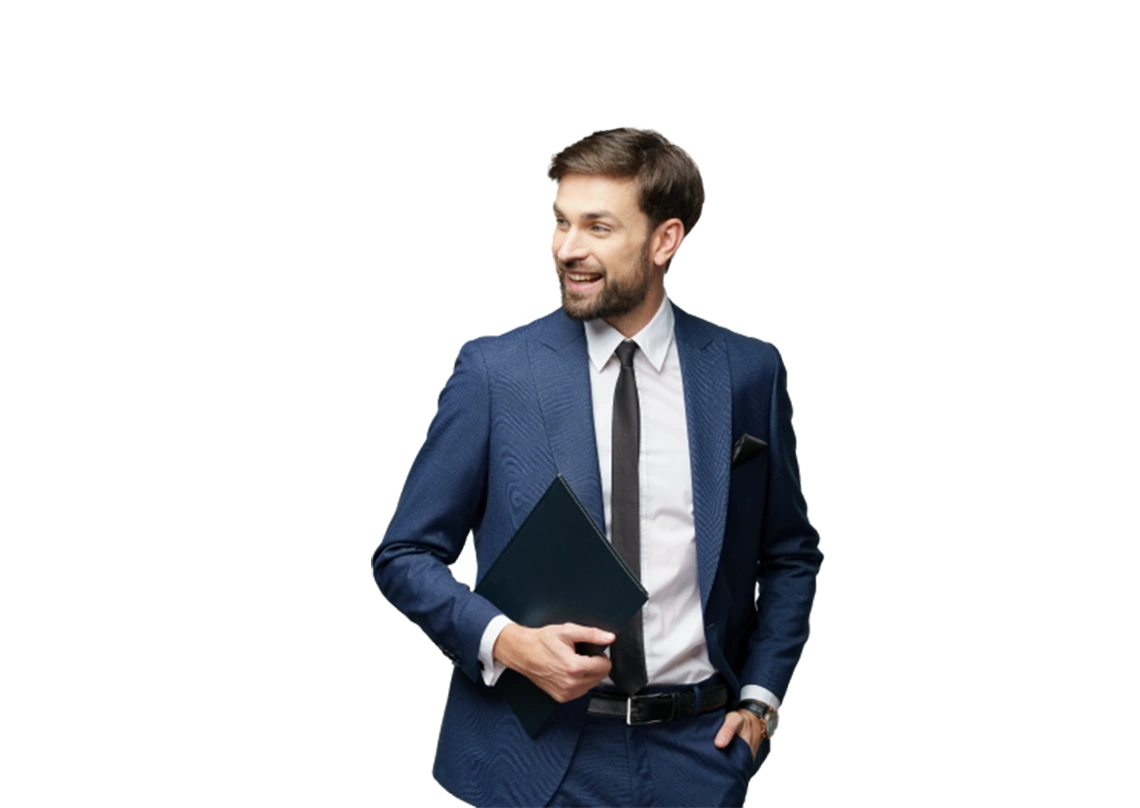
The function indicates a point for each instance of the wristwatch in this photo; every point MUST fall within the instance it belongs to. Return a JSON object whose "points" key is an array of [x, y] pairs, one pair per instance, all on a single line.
{"points": [[769, 718]]}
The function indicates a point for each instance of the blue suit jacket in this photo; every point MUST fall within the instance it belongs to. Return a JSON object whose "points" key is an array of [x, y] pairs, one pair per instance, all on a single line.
{"points": [[516, 412]]}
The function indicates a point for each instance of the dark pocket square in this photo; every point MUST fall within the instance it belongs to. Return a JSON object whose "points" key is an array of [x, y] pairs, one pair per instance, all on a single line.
{"points": [[746, 448]]}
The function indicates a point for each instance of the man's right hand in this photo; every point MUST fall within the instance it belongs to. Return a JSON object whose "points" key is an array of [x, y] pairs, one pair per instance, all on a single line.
{"points": [[546, 656]]}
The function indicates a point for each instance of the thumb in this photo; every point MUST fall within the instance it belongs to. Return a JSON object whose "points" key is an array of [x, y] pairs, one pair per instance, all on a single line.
{"points": [[730, 727], [572, 632]]}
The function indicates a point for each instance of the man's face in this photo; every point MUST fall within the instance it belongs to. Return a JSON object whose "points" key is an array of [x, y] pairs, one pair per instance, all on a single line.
{"points": [[601, 246]]}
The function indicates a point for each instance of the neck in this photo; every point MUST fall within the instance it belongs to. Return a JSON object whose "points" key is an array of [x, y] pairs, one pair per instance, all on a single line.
{"points": [[630, 323]]}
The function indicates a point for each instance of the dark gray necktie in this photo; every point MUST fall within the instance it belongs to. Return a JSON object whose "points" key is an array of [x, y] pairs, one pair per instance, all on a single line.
{"points": [[627, 652]]}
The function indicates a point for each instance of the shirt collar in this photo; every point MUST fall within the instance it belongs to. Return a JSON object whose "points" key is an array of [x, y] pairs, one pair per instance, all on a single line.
{"points": [[602, 338]]}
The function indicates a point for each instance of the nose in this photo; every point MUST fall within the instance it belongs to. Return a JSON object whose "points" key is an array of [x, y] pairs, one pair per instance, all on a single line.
{"points": [[569, 245]]}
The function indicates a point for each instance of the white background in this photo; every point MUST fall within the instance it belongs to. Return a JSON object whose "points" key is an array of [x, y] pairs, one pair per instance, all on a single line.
{"points": [[243, 242]]}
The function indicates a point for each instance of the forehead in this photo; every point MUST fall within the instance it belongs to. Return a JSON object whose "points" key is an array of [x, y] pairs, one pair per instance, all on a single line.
{"points": [[582, 194]]}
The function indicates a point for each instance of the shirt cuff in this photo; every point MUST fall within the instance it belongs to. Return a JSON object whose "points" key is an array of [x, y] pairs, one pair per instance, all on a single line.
{"points": [[491, 668], [758, 693]]}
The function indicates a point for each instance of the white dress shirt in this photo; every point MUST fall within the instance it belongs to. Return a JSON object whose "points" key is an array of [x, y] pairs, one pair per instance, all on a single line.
{"points": [[673, 628]]}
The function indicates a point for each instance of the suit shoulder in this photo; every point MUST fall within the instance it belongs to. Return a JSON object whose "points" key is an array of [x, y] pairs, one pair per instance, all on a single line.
{"points": [[741, 348], [753, 361], [751, 348], [504, 347]]}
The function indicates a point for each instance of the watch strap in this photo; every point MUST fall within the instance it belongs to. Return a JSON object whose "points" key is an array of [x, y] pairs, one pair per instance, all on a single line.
{"points": [[765, 712]]}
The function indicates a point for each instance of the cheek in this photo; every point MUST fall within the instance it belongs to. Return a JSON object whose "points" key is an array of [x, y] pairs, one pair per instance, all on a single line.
{"points": [[624, 257]]}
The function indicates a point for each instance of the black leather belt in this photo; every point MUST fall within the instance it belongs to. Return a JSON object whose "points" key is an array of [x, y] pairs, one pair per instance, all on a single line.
{"points": [[653, 708]]}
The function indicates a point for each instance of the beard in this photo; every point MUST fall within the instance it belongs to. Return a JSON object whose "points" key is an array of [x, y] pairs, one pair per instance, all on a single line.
{"points": [[617, 297]]}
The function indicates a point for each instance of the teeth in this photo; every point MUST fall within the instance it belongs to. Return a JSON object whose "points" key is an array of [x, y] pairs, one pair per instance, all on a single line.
{"points": [[582, 278]]}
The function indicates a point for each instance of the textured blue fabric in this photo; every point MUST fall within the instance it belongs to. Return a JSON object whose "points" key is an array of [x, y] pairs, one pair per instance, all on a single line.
{"points": [[674, 763], [516, 412], [670, 765]]}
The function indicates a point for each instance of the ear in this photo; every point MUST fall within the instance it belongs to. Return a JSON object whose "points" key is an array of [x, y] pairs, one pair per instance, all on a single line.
{"points": [[665, 240]]}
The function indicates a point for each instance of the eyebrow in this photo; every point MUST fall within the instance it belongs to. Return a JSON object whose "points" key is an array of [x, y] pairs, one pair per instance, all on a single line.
{"points": [[600, 214]]}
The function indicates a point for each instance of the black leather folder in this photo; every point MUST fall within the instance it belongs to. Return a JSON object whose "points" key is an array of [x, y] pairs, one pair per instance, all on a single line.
{"points": [[558, 568]]}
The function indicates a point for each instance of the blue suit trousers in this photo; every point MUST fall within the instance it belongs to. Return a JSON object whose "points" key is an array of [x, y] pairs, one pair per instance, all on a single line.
{"points": [[674, 763]]}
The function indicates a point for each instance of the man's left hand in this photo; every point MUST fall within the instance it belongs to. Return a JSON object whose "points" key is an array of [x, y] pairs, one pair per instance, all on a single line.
{"points": [[743, 723]]}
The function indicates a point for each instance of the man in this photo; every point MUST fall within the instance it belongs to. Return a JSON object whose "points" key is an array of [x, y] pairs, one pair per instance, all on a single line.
{"points": [[676, 435]]}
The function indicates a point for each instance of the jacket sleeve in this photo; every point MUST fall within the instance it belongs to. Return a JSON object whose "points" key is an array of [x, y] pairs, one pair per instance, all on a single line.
{"points": [[789, 557], [442, 501]]}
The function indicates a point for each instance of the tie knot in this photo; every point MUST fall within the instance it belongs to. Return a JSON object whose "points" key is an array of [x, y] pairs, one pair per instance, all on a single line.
{"points": [[625, 353]]}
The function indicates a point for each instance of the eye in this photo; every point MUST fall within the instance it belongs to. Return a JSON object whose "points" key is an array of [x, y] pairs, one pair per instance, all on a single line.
{"points": [[600, 229], [560, 222]]}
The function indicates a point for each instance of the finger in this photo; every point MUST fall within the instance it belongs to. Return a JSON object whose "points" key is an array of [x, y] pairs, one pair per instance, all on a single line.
{"points": [[572, 632], [595, 668], [605, 664], [730, 727]]}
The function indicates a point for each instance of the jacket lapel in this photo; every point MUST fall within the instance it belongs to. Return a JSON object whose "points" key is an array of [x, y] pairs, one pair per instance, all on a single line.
{"points": [[562, 376], [708, 411]]}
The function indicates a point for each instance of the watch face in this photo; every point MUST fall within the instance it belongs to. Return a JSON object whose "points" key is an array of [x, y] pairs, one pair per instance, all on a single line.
{"points": [[773, 722]]}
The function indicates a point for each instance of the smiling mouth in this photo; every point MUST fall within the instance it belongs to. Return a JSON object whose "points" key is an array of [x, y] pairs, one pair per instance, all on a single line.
{"points": [[583, 277]]}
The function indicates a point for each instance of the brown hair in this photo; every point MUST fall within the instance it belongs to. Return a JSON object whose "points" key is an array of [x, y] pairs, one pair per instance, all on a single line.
{"points": [[668, 179]]}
